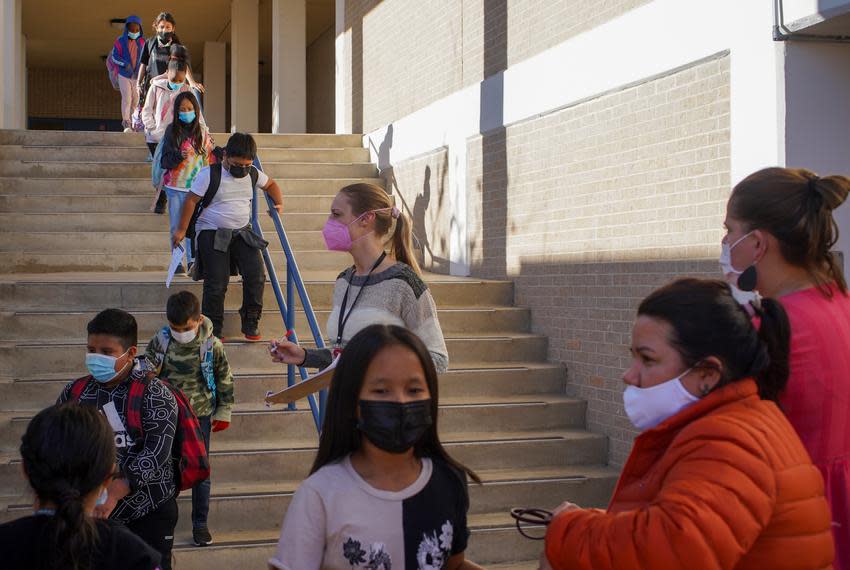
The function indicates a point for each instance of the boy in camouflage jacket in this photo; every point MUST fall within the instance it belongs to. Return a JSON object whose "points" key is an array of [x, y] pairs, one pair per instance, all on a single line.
{"points": [[187, 354]]}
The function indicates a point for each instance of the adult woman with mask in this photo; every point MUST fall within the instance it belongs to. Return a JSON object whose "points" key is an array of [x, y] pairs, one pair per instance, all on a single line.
{"points": [[68, 458], [780, 233], [717, 479], [380, 288]]}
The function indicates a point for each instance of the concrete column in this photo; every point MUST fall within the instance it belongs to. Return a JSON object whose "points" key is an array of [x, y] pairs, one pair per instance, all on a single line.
{"points": [[342, 65], [22, 80], [289, 66], [215, 78], [245, 68], [11, 105]]}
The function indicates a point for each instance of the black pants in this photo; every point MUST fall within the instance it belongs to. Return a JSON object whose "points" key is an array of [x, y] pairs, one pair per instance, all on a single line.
{"points": [[216, 267], [157, 529], [160, 199]]}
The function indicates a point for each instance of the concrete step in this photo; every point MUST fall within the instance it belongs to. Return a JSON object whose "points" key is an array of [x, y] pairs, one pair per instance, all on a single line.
{"points": [[462, 380], [139, 153], [107, 222], [282, 170], [135, 204], [144, 291], [67, 326], [28, 360], [109, 139], [125, 261], [130, 242], [549, 450], [142, 186]]}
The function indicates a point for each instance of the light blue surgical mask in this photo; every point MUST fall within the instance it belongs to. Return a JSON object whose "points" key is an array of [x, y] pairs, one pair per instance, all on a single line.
{"points": [[104, 496], [175, 86], [134, 35], [102, 367], [186, 116]]}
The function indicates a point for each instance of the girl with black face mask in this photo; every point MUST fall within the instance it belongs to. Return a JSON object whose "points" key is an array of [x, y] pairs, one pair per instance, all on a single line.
{"points": [[381, 473]]}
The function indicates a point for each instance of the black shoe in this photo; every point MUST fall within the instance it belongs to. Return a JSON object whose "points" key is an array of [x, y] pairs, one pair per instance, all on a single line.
{"points": [[160, 203], [251, 331], [201, 536]]}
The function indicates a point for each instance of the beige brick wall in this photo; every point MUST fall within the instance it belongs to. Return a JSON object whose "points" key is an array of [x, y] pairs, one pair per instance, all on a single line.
{"points": [[420, 187], [590, 207], [72, 94], [405, 54]]}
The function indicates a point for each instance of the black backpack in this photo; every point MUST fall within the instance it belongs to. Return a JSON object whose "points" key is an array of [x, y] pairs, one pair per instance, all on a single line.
{"points": [[212, 189]]}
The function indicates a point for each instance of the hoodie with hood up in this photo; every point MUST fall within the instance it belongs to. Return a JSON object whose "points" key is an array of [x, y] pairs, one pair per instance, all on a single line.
{"points": [[181, 365], [126, 65]]}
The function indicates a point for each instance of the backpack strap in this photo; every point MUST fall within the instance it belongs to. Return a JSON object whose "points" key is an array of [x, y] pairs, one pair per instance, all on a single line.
{"points": [[78, 387], [215, 182], [207, 367], [255, 175], [135, 402], [163, 339]]}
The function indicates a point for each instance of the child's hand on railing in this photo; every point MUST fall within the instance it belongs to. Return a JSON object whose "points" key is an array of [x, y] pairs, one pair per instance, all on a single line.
{"points": [[279, 208], [285, 352]]}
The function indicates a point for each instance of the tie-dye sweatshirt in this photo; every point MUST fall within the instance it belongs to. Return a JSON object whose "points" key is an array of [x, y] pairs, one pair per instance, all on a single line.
{"points": [[181, 177]]}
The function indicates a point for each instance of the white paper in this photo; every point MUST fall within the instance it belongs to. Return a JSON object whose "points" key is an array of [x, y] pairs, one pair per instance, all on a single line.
{"points": [[112, 416], [176, 261]]}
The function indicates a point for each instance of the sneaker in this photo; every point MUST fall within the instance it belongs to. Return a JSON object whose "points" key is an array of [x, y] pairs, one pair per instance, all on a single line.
{"points": [[128, 130], [189, 268], [201, 536], [251, 331], [159, 209]]}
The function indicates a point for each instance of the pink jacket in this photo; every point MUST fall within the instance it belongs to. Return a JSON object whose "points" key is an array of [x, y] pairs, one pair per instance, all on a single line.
{"points": [[158, 112]]}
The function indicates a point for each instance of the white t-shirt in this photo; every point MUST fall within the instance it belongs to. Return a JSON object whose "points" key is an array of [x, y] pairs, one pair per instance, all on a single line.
{"points": [[337, 521], [231, 206]]}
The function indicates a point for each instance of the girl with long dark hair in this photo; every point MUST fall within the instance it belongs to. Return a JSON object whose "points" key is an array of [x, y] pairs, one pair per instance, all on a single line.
{"points": [[185, 149], [68, 454], [383, 492]]}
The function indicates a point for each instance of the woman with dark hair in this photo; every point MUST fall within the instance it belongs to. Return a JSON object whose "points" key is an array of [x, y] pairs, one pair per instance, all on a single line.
{"points": [[383, 492], [158, 111], [781, 232], [717, 479], [380, 287], [68, 454], [186, 149]]}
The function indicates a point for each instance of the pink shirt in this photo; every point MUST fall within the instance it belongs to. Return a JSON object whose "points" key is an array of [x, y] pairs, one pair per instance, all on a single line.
{"points": [[817, 398]]}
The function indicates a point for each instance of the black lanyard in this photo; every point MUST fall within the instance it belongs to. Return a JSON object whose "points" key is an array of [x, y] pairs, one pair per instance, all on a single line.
{"points": [[343, 318]]}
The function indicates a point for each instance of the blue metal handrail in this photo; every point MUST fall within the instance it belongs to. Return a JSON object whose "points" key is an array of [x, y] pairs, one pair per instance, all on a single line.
{"points": [[294, 283]]}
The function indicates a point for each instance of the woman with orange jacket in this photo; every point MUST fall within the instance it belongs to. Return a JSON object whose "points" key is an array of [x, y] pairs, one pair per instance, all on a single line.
{"points": [[718, 478]]}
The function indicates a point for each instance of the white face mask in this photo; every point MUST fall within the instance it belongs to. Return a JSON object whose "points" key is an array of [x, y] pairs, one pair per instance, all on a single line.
{"points": [[648, 407], [184, 337], [731, 274]]}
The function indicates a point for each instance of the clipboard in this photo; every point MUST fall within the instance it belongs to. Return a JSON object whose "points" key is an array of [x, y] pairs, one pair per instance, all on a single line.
{"points": [[318, 381]]}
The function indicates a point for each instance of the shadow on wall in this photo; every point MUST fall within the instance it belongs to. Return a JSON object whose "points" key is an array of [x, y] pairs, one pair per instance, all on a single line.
{"points": [[587, 310]]}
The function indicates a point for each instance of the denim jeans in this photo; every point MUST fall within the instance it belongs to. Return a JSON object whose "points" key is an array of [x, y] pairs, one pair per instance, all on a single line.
{"points": [[201, 491], [176, 199]]}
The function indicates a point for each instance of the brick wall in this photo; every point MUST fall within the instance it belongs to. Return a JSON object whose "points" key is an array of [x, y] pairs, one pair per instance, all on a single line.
{"points": [[591, 207], [405, 54], [72, 94]]}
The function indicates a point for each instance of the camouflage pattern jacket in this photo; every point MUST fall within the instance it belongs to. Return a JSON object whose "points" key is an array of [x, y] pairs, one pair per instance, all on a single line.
{"points": [[180, 364]]}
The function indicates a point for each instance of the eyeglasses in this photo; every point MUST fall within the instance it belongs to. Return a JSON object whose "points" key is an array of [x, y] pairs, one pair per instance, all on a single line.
{"points": [[531, 523]]}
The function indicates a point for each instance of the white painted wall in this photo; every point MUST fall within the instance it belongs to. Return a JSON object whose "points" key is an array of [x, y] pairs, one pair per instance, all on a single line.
{"points": [[244, 65], [648, 41], [289, 66], [817, 121]]}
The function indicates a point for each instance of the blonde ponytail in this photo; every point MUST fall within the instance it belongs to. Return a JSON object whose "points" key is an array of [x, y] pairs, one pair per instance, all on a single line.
{"points": [[402, 246]]}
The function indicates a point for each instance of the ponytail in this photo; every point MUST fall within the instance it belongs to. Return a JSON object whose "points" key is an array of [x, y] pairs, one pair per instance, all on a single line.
{"points": [[402, 245], [771, 373], [68, 451], [365, 197]]}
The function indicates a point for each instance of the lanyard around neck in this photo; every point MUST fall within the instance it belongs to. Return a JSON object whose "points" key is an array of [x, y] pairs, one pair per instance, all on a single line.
{"points": [[343, 317]]}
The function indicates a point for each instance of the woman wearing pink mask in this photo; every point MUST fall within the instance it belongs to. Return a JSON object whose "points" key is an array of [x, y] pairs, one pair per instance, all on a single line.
{"points": [[779, 241], [380, 288]]}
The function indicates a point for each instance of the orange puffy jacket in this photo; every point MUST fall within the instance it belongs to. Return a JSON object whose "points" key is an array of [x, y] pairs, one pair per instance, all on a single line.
{"points": [[725, 483]]}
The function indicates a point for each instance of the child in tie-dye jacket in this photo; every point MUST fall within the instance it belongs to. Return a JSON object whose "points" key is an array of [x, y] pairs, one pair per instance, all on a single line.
{"points": [[187, 355]]}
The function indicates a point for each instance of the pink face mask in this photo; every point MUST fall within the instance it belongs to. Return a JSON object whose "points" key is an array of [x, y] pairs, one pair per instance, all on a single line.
{"points": [[336, 234]]}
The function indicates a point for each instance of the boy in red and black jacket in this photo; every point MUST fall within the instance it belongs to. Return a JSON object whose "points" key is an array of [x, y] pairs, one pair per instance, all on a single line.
{"points": [[143, 495]]}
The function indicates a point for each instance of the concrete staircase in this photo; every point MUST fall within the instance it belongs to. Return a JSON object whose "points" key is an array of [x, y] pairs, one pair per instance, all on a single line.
{"points": [[76, 237]]}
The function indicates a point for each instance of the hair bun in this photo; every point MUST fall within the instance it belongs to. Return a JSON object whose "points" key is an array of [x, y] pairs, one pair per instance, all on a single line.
{"points": [[832, 190]]}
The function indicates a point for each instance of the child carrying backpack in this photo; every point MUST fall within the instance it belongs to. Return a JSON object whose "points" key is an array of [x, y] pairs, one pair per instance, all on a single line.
{"points": [[160, 451], [187, 354], [123, 65]]}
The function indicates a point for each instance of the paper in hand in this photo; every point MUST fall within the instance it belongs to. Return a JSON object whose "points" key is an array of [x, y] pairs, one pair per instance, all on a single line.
{"points": [[176, 261]]}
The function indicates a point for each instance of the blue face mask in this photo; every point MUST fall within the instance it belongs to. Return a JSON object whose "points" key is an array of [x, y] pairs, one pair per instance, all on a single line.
{"points": [[102, 367], [186, 116], [175, 86], [134, 35], [104, 496]]}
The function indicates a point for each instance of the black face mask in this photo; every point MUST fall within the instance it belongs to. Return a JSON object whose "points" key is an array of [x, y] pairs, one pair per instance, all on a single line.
{"points": [[393, 426], [165, 37], [237, 171]]}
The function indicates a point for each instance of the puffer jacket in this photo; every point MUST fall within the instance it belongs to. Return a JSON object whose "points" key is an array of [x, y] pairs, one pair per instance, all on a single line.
{"points": [[725, 483], [158, 111]]}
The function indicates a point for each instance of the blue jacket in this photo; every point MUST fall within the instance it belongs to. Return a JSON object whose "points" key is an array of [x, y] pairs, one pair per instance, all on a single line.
{"points": [[121, 51]]}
